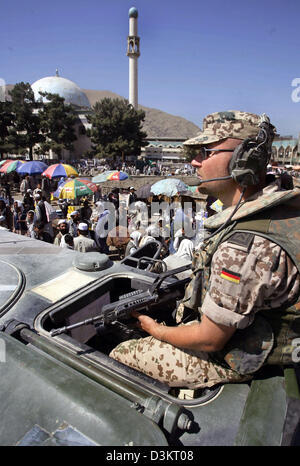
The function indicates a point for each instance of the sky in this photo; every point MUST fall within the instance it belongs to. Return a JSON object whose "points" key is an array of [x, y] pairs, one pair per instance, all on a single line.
{"points": [[197, 57]]}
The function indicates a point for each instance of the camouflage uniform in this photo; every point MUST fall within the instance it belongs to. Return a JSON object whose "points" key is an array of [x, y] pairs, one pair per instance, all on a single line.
{"points": [[221, 125], [236, 277]]}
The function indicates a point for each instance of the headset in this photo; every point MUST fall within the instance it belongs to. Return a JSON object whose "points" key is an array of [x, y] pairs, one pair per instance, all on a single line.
{"points": [[251, 157], [248, 160]]}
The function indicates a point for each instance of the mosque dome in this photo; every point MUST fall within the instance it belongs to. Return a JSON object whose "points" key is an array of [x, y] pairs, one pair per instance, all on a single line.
{"points": [[63, 87], [133, 13]]}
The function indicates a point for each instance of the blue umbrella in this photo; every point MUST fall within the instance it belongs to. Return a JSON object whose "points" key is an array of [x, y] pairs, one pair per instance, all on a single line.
{"points": [[169, 187], [33, 167]]}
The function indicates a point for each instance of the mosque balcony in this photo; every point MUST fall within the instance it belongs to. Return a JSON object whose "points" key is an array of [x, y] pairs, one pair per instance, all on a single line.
{"points": [[133, 46]]}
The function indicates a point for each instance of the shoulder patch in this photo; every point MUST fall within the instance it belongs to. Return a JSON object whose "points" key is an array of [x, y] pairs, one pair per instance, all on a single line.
{"points": [[244, 240], [233, 277]]}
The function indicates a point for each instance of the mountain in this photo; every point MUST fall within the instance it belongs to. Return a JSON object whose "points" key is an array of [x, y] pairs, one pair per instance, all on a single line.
{"points": [[157, 123]]}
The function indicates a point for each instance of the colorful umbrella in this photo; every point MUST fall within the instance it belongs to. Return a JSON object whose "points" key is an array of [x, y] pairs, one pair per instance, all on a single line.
{"points": [[11, 166], [169, 187], [59, 170], [33, 167], [5, 161], [193, 189], [118, 176], [74, 188], [101, 177]]}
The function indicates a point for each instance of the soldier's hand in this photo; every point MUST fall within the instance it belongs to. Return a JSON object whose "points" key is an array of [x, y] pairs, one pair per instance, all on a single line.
{"points": [[148, 324]]}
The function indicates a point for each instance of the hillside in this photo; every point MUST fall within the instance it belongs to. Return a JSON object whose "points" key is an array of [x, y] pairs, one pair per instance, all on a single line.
{"points": [[157, 123]]}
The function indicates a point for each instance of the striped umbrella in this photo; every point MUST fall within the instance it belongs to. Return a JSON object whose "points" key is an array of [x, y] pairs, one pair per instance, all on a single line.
{"points": [[11, 166], [118, 176], [59, 170], [5, 161], [74, 188]]}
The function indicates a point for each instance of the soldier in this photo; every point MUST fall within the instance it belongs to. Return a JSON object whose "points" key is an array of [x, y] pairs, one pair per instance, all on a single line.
{"points": [[245, 286]]}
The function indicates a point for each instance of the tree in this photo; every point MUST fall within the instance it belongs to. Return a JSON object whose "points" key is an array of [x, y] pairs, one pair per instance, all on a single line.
{"points": [[116, 128], [25, 131], [6, 121], [57, 121]]}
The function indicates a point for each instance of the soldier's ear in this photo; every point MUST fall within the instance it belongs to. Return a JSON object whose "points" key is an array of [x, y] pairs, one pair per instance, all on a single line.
{"points": [[250, 158], [242, 166]]}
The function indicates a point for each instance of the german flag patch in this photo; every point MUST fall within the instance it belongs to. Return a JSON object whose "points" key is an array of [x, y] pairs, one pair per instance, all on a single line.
{"points": [[233, 277]]}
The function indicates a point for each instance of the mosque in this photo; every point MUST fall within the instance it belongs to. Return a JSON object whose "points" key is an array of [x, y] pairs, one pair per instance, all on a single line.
{"points": [[74, 96], [163, 149]]}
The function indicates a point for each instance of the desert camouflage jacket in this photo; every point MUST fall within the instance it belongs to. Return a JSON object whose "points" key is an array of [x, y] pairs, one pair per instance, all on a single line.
{"points": [[269, 339]]}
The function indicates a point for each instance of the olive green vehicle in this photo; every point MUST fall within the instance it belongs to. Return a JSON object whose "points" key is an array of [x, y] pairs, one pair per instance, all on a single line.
{"points": [[58, 385]]}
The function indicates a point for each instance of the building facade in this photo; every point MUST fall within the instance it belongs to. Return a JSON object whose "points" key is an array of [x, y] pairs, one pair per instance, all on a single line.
{"points": [[164, 149], [286, 151]]}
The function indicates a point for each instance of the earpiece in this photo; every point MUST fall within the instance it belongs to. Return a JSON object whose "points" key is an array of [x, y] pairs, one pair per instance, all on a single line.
{"points": [[251, 157]]}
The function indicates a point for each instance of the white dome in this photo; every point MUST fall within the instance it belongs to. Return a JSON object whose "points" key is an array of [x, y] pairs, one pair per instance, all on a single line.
{"points": [[63, 87]]}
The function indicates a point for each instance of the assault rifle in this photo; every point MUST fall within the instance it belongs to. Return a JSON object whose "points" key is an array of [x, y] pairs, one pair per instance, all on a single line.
{"points": [[137, 300]]}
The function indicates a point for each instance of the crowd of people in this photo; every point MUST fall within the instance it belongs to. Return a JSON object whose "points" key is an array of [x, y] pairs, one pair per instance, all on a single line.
{"points": [[158, 168], [116, 223]]}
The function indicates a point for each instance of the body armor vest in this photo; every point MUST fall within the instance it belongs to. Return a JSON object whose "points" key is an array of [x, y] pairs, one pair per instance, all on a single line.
{"points": [[269, 339]]}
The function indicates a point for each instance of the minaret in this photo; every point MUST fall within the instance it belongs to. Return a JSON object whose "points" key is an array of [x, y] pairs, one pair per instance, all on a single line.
{"points": [[133, 52]]}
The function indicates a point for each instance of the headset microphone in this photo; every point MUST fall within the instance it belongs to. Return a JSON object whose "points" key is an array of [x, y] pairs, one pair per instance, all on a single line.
{"points": [[215, 179]]}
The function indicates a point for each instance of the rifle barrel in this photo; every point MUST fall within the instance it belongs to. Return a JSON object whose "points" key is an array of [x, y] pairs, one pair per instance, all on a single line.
{"points": [[91, 320]]}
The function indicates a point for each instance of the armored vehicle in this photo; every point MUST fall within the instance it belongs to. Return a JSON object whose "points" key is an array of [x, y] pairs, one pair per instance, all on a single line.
{"points": [[59, 386]]}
